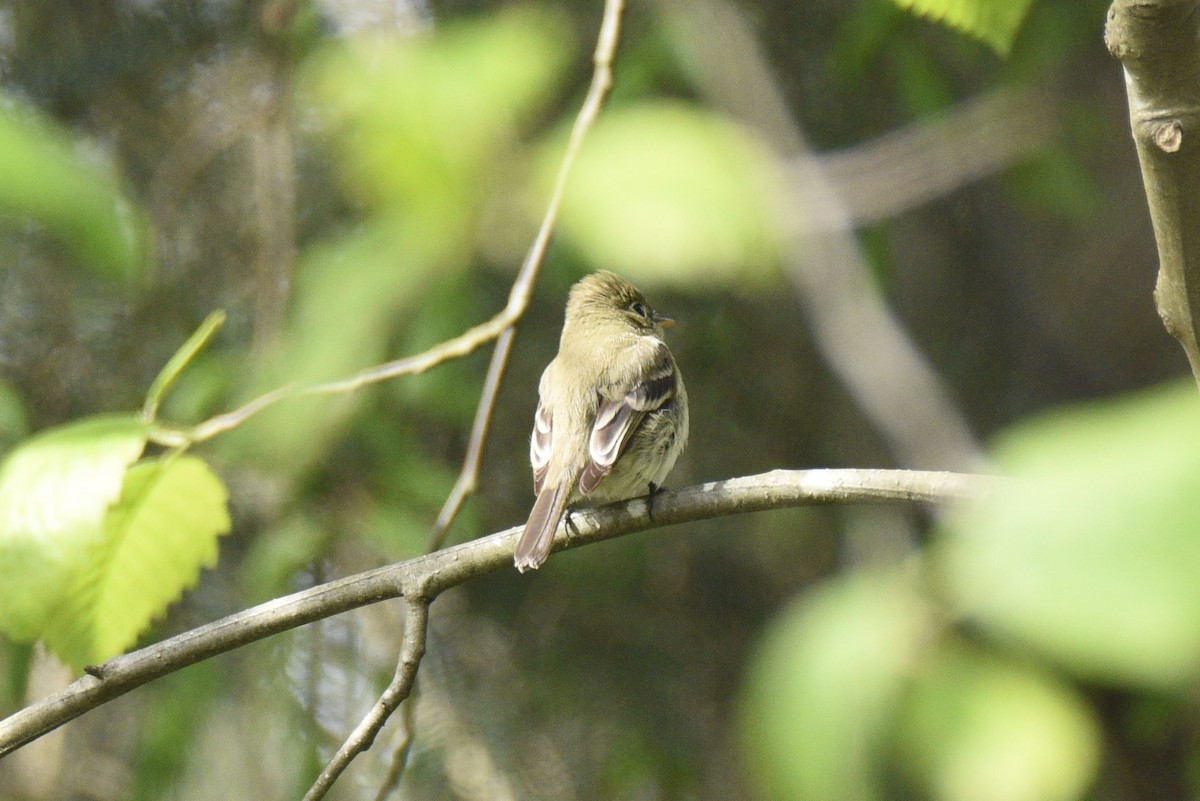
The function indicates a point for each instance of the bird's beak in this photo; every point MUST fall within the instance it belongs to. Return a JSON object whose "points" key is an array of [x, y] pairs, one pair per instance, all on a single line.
{"points": [[665, 322]]}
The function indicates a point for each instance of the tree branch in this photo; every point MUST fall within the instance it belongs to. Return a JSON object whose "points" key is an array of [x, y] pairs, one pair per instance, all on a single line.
{"points": [[424, 578], [416, 619], [1158, 43]]}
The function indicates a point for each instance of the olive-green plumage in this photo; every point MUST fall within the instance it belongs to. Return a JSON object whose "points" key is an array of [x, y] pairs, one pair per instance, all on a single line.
{"points": [[612, 411]]}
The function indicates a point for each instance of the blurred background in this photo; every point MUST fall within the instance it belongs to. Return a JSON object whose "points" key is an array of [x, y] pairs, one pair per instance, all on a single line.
{"points": [[886, 245]]}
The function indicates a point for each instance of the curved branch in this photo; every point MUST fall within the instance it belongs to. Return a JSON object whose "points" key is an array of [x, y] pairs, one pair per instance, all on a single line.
{"points": [[425, 577]]}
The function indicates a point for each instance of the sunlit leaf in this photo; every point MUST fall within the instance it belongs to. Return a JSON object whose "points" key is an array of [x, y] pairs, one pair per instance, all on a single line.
{"points": [[667, 192], [157, 538], [975, 728], [994, 22], [55, 490], [823, 686], [46, 180], [1092, 557]]}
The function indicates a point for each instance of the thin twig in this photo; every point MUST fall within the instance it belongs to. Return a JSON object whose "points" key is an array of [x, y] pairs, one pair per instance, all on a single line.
{"points": [[428, 576], [462, 345], [522, 288], [416, 620], [468, 476], [401, 751]]}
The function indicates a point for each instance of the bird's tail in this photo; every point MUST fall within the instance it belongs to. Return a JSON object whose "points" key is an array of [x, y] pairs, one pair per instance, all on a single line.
{"points": [[534, 545]]}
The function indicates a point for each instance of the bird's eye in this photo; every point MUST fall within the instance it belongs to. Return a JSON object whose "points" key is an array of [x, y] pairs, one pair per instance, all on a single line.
{"points": [[640, 309]]}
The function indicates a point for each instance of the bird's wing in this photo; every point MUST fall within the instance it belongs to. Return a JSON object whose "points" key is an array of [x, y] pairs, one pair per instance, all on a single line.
{"points": [[620, 412], [540, 444]]}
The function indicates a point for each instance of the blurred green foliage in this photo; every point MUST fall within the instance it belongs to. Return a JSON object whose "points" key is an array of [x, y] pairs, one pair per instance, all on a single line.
{"points": [[420, 122], [420, 159], [976, 727], [1091, 557], [992, 21], [822, 688], [666, 193], [418, 127], [1087, 558], [49, 180]]}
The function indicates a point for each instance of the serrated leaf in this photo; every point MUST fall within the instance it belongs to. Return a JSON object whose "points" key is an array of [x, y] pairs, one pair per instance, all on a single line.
{"points": [[55, 490], [994, 22], [157, 538], [977, 728], [1092, 556], [823, 686]]}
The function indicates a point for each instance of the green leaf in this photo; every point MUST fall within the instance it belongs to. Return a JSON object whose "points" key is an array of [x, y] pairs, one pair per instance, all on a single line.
{"points": [[994, 22], [975, 728], [46, 180], [157, 538], [55, 490], [823, 685], [1092, 556], [667, 192], [178, 361]]}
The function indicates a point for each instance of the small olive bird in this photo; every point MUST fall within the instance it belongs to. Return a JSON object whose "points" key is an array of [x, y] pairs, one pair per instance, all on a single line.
{"points": [[612, 412]]}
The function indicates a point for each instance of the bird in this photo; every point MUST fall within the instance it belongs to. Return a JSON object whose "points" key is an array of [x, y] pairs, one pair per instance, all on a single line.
{"points": [[612, 413]]}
